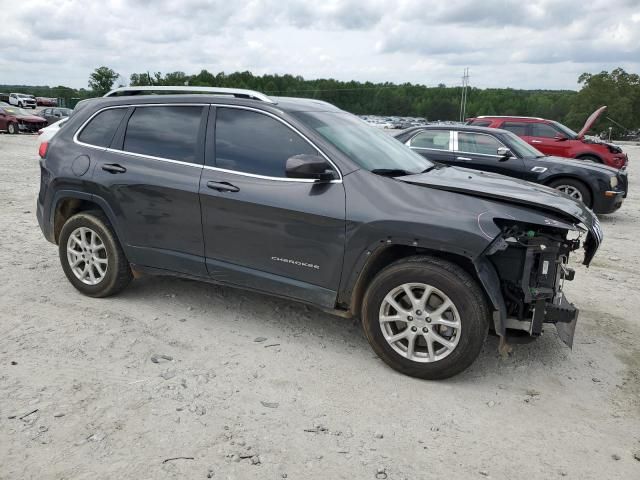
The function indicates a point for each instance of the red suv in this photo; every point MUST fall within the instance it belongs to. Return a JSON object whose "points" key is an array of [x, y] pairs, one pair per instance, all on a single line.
{"points": [[553, 138]]}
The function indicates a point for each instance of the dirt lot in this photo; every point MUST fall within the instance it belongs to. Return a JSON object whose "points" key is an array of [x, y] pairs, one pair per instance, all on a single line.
{"points": [[256, 387]]}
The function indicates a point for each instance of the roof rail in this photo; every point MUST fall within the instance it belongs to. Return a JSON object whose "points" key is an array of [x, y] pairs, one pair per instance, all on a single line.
{"points": [[235, 92], [508, 116]]}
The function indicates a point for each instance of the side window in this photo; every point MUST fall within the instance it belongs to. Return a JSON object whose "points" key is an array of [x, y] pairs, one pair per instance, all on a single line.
{"points": [[101, 129], [434, 139], [543, 130], [251, 142], [166, 132], [519, 128], [478, 143]]}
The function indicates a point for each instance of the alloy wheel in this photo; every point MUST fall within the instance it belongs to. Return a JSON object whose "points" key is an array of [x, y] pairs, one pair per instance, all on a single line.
{"points": [[570, 190], [87, 256], [420, 322]]}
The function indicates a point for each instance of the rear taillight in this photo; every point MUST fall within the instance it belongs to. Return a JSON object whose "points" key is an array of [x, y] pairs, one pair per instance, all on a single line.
{"points": [[42, 151]]}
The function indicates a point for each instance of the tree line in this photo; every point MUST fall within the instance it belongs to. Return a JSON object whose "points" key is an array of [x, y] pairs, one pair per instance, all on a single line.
{"points": [[617, 89]]}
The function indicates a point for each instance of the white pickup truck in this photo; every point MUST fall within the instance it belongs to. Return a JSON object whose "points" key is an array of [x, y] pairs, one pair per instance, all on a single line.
{"points": [[21, 100]]}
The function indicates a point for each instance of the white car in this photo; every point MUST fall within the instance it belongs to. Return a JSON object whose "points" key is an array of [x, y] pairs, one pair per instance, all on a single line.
{"points": [[21, 100], [46, 134]]}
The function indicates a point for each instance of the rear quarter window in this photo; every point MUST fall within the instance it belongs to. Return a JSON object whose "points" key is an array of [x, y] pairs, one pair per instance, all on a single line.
{"points": [[101, 128]]}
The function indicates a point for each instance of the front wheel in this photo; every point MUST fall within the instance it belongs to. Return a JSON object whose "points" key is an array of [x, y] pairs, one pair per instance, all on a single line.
{"points": [[91, 256], [573, 188], [12, 128], [425, 317]]}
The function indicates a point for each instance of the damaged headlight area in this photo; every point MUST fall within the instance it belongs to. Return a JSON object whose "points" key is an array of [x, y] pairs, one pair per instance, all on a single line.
{"points": [[532, 264]]}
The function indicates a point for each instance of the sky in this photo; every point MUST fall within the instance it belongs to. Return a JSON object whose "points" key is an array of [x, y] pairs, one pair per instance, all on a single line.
{"points": [[518, 44]]}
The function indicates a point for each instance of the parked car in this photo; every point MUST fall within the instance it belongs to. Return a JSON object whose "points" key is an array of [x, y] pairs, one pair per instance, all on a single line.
{"points": [[21, 100], [16, 120], [52, 115], [553, 138], [599, 187], [296, 198], [46, 134], [47, 102]]}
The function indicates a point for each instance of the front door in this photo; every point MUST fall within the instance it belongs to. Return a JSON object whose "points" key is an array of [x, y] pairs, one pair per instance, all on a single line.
{"points": [[547, 139], [263, 230], [150, 178], [480, 152]]}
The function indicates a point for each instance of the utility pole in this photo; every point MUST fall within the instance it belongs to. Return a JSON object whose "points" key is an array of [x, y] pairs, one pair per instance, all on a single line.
{"points": [[463, 96]]}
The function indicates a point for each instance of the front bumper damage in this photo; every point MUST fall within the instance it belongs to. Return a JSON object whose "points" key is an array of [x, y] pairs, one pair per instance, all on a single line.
{"points": [[30, 127], [524, 271]]}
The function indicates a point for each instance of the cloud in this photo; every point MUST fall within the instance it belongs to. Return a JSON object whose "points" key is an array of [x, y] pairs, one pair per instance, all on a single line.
{"points": [[533, 44]]}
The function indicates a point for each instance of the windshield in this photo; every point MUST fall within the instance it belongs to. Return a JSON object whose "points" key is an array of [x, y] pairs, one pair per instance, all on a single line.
{"points": [[368, 146], [566, 130], [521, 148], [20, 95]]}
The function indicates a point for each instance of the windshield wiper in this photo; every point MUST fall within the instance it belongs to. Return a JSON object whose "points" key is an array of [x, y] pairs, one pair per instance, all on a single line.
{"points": [[390, 172]]}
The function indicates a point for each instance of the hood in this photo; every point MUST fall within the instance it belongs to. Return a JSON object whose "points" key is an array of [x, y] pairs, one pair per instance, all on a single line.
{"points": [[590, 166], [30, 118], [511, 190], [590, 121]]}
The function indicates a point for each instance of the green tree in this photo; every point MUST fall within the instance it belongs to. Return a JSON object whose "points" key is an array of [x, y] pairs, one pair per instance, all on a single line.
{"points": [[102, 80]]}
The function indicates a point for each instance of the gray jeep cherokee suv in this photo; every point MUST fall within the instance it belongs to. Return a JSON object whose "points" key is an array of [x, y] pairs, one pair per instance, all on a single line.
{"points": [[296, 198]]}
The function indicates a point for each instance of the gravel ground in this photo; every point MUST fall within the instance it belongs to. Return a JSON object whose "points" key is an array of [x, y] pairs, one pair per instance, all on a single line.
{"points": [[179, 379]]}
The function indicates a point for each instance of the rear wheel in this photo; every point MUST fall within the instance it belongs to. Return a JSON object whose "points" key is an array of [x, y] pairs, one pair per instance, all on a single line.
{"points": [[574, 188], [91, 256], [425, 317], [12, 128]]}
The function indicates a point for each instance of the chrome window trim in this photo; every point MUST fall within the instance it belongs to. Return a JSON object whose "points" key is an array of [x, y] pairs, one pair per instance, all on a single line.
{"points": [[474, 153], [197, 165]]}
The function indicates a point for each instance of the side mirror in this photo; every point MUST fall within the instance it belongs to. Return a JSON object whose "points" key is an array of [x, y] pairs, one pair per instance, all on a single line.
{"points": [[504, 153], [559, 137], [310, 167]]}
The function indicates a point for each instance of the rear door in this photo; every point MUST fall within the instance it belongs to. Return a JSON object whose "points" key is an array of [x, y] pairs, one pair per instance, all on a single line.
{"points": [[150, 178], [434, 144], [263, 230], [480, 151]]}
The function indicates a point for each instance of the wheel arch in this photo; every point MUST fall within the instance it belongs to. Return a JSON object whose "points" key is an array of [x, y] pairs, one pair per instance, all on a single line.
{"points": [[568, 176], [351, 298], [582, 155], [68, 203]]}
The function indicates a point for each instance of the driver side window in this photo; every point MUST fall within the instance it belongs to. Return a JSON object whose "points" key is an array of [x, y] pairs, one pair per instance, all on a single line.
{"points": [[252, 142]]}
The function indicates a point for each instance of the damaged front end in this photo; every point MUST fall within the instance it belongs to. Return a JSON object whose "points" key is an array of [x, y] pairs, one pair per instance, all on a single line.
{"points": [[530, 265]]}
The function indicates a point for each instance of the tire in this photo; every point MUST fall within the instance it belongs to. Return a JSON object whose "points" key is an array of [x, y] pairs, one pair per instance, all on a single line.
{"points": [[589, 158], [108, 270], [445, 278], [12, 128], [574, 188]]}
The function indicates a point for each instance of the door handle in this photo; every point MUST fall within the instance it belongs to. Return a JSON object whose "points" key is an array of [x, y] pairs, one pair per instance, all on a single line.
{"points": [[113, 168], [223, 186], [536, 141], [463, 159]]}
